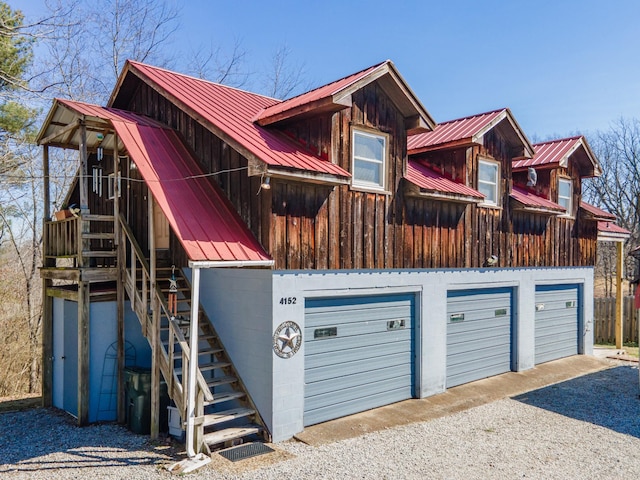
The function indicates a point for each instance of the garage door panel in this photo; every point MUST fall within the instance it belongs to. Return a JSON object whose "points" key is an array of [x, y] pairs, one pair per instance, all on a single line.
{"points": [[360, 404], [397, 377], [357, 315], [479, 334], [356, 328], [359, 354], [340, 343], [476, 373], [475, 351], [557, 322], [330, 357], [458, 335], [323, 371]]}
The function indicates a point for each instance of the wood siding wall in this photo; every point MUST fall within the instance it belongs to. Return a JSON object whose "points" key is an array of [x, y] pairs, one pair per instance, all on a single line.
{"points": [[306, 226]]}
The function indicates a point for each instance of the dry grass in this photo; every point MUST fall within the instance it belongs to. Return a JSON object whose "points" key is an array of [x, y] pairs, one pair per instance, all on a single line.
{"points": [[20, 402]]}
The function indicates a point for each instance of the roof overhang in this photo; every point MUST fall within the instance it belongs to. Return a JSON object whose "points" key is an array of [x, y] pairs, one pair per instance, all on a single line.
{"points": [[417, 119], [61, 128], [503, 121], [423, 181], [610, 232], [579, 150], [524, 200], [593, 213]]}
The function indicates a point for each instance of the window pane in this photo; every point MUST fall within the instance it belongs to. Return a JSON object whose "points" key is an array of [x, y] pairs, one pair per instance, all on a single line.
{"points": [[367, 146], [564, 189], [488, 172], [489, 191], [367, 171]]}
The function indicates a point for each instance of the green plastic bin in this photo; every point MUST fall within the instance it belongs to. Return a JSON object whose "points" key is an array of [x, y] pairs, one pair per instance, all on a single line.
{"points": [[137, 390]]}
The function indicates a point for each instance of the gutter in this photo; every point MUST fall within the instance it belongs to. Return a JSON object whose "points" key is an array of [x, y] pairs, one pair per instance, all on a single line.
{"points": [[230, 264]]}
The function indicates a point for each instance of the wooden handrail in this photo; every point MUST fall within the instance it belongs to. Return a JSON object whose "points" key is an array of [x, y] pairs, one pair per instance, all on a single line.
{"points": [[145, 295]]}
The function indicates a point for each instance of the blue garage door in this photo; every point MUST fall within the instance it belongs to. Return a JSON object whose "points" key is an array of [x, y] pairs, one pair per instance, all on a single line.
{"points": [[557, 322], [359, 354], [479, 334]]}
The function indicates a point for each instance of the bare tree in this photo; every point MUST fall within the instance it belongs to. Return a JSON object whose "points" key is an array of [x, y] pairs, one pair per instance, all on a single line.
{"points": [[285, 78], [618, 189], [215, 65]]}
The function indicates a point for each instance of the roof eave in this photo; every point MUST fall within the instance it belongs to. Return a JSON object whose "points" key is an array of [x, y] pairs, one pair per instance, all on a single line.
{"points": [[284, 173], [231, 263], [527, 147], [323, 105], [463, 142]]}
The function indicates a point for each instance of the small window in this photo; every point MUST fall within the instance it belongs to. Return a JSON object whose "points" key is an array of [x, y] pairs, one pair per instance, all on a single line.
{"points": [[369, 160], [111, 186], [488, 175], [564, 194]]}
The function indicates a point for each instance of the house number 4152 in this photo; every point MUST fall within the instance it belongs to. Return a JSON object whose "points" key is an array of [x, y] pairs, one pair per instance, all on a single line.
{"points": [[288, 300]]}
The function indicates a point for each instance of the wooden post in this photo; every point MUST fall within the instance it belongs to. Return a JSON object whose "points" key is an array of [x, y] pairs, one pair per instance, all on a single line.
{"points": [[47, 345], [120, 264], [47, 301], [46, 212], [619, 304], [83, 353], [84, 169], [155, 321]]}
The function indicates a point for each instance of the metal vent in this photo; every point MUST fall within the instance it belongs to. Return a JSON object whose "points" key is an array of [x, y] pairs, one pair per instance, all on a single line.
{"points": [[247, 450]]}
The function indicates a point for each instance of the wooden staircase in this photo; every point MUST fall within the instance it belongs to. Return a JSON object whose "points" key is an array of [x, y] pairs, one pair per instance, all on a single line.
{"points": [[225, 414]]}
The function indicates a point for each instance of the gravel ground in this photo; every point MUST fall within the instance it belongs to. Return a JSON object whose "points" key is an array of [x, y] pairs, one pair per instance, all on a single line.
{"points": [[584, 428]]}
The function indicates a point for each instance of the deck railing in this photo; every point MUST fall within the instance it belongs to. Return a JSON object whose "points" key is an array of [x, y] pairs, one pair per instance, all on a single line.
{"points": [[150, 305], [88, 240]]}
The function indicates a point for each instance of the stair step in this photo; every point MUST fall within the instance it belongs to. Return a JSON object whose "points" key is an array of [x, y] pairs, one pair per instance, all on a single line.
{"points": [[210, 351], [207, 367], [227, 415], [218, 381], [224, 397], [228, 434]]}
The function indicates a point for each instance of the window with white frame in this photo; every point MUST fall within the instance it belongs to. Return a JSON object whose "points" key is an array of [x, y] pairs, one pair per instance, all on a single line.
{"points": [[565, 194], [488, 181], [369, 154], [111, 186]]}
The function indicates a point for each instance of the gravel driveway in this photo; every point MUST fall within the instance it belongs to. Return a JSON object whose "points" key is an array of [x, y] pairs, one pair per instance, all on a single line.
{"points": [[584, 428]]}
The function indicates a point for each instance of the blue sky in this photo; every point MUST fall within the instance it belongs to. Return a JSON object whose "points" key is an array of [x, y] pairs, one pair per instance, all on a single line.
{"points": [[562, 66]]}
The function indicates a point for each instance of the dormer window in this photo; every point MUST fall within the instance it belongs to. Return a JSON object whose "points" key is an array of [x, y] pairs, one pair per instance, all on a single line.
{"points": [[488, 176], [369, 157], [565, 190]]}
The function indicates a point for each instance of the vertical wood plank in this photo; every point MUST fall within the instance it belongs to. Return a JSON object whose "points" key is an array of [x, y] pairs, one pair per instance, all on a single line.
{"points": [[83, 353]]}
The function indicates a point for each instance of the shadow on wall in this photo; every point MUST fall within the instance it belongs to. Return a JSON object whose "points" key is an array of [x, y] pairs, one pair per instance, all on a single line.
{"points": [[608, 398]]}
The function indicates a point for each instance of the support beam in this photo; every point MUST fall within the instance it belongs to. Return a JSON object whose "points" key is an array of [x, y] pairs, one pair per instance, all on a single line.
{"points": [[84, 169], [155, 321], [619, 303], [121, 260], [83, 353], [46, 194], [47, 344]]}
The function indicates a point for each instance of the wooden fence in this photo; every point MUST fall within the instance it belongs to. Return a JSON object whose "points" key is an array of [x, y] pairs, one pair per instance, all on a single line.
{"points": [[604, 316]]}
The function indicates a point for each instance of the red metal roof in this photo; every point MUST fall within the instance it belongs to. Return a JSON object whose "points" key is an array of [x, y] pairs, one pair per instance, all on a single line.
{"points": [[317, 94], [431, 181], [612, 228], [200, 215], [208, 227], [547, 153], [533, 201], [596, 212], [232, 112], [455, 130]]}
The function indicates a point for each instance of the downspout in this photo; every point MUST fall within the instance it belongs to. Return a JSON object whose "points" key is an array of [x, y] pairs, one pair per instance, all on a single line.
{"points": [[193, 360]]}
